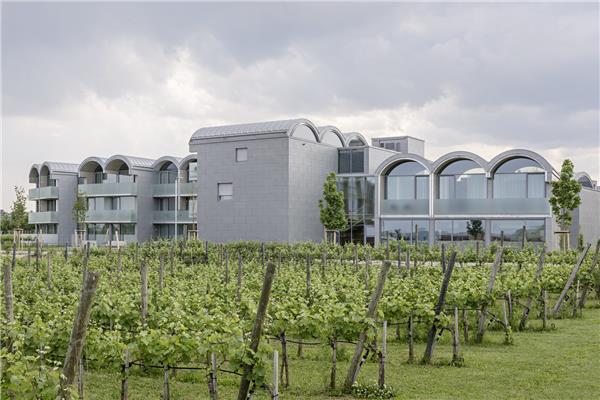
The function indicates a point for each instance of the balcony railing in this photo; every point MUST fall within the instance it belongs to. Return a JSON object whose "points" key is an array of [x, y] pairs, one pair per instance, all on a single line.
{"points": [[405, 207], [491, 206], [109, 189], [111, 216], [168, 189], [45, 192], [183, 216], [188, 189], [44, 217], [48, 238]]}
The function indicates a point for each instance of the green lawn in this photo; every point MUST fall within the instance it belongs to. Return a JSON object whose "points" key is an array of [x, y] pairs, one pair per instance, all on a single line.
{"points": [[563, 363]]}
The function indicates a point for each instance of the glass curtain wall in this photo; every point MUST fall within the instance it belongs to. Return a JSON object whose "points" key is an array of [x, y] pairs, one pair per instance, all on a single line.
{"points": [[462, 179], [359, 203], [396, 229], [512, 230], [459, 230], [519, 178]]}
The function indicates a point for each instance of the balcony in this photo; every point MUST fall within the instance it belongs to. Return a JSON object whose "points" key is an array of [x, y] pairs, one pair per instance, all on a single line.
{"points": [[111, 216], [45, 192], [168, 189], [491, 207], [109, 189], [405, 207], [44, 217], [183, 216]]}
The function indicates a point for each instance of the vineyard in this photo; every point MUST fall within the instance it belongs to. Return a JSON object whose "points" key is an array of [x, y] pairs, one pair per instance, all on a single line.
{"points": [[237, 312]]}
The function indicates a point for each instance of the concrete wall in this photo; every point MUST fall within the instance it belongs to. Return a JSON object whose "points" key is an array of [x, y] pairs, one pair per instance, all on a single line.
{"points": [[376, 156], [67, 194], [145, 204], [586, 218], [309, 165], [259, 208]]}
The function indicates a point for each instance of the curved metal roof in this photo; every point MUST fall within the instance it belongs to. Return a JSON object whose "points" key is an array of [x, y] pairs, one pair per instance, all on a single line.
{"points": [[187, 159], [355, 135], [131, 161], [161, 160], [256, 128], [99, 160], [60, 167], [448, 158], [324, 130]]}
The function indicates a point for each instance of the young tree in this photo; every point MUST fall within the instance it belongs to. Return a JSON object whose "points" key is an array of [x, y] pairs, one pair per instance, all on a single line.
{"points": [[80, 208], [565, 198], [5, 223], [475, 229], [19, 217], [333, 216]]}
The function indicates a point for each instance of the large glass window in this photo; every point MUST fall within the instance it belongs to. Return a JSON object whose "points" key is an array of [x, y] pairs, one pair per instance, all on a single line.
{"points": [[459, 230], [405, 229], [512, 230], [407, 180], [359, 197], [519, 178], [351, 161], [462, 179]]}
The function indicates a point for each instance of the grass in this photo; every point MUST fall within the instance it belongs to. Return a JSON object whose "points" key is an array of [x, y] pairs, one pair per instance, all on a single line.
{"points": [[561, 363]]}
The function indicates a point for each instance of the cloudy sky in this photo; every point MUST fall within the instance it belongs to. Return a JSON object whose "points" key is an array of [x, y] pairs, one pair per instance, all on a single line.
{"points": [[82, 79]]}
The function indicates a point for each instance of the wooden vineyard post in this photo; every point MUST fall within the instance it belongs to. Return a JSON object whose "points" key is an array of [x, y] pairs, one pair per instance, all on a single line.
{"points": [[438, 310], [443, 258], [509, 303], [465, 321], [275, 375], [484, 308], [544, 309], [49, 271], [161, 272], [457, 359], [507, 328], [410, 338], [501, 238], [29, 255], [387, 246], [383, 355], [38, 250], [353, 370], [206, 251], [399, 256], [538, 274], [212, 377], [563, 294], [333, 363], [586, 287], [166, 393], [78, 333], [226, 267], [125, 376], [477, 260], [119, 260], [284, 361], [523, 237], [66, 251], [8, 295], [407, 259], [172, 259], [144, 293], [257, 329], [238, 293], [323, 264], [416, 238], [367, 265], [576, 299]]}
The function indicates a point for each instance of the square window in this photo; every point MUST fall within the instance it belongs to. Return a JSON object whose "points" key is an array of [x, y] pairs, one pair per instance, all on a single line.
{"points": [[225, 191], [241, 154]]}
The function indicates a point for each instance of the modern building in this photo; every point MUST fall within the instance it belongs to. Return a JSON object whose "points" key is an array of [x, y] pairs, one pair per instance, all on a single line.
{"points": [[262, 181]]}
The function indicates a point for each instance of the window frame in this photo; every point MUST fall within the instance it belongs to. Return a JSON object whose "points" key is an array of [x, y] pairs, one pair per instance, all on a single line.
{"points": [[238, 151], [223, 197]]}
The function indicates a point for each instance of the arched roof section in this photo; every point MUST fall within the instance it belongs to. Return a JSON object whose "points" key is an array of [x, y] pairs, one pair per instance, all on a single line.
{"points": [[520, 153], [332, 134], [585, 179], [442, 162], [90, 164], [396, 159], [132, 162], [60, 167], [34, 173], [349, 136], [187, 159], [286, 127], [164, 159], [304, 124]]}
